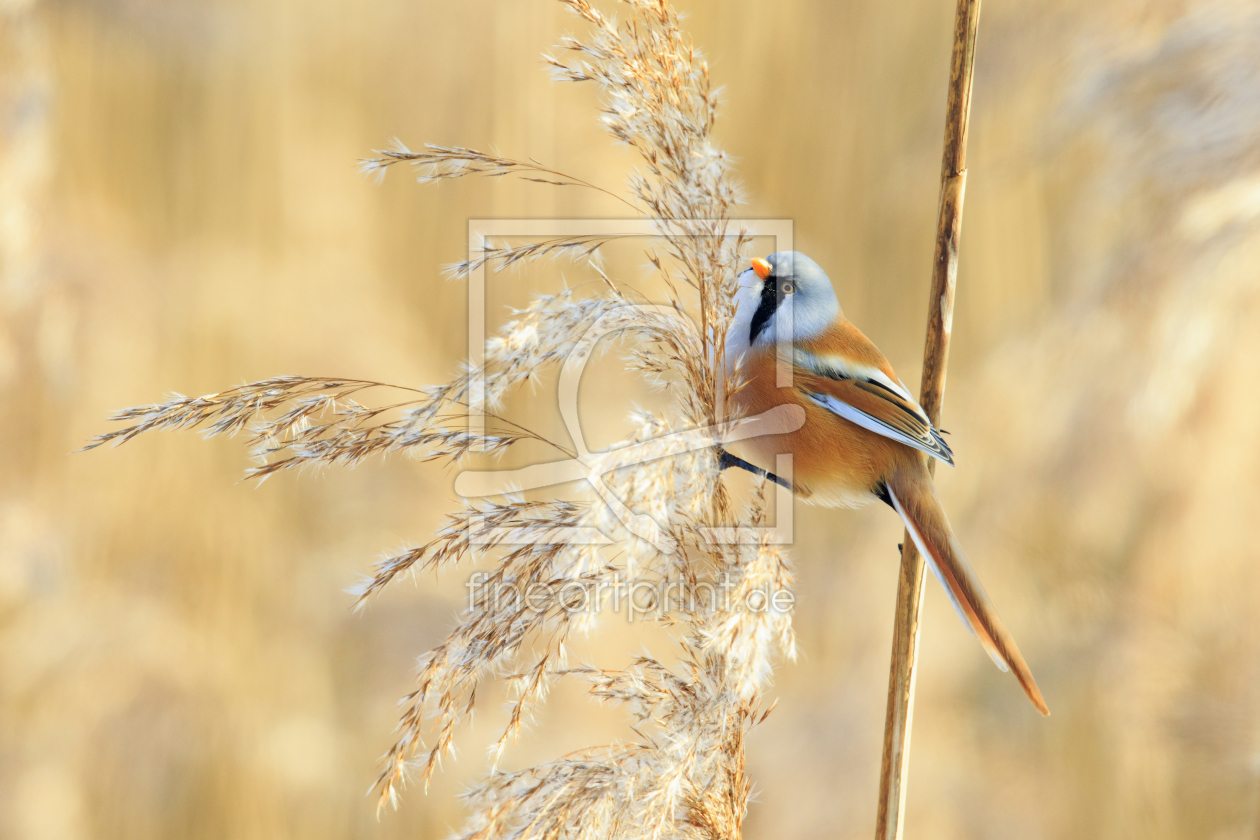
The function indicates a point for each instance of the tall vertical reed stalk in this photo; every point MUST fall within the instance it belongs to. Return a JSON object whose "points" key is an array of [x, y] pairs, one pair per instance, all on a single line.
{"points": [[905, 652], [682, 772]]}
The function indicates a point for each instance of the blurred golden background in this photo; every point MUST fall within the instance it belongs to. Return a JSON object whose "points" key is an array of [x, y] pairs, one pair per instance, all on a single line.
{"points": [[180, 210]]}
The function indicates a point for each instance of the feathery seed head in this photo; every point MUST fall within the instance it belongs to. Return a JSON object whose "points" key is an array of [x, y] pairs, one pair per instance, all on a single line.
{"points": [[657, 494]]}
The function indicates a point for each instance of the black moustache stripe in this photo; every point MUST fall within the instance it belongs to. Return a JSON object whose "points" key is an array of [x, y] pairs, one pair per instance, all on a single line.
{"points": [[769, 303]]}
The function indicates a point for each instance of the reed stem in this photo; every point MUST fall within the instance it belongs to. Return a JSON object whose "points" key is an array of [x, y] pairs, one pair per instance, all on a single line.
{"points": [[905, 652]]}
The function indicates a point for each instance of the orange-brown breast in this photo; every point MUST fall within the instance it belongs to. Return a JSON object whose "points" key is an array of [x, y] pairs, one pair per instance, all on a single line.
{"points": [[835, 462]]}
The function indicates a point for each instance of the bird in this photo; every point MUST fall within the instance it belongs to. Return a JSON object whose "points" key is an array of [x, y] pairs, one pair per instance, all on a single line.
{"points": [[864, 439]]}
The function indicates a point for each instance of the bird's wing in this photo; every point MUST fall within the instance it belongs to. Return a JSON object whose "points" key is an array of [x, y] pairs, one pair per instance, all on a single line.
{"points": [[870, 398]]}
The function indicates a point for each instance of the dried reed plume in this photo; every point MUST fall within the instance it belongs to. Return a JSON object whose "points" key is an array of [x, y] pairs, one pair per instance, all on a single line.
{"points": [[682, 775]]}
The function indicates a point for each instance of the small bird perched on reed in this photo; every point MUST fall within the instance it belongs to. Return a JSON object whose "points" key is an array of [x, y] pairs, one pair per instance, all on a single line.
{"points": [[864, 438]]}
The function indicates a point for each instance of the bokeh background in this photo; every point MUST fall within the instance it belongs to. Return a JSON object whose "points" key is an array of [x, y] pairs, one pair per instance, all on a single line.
{"points": [[180, 210]]}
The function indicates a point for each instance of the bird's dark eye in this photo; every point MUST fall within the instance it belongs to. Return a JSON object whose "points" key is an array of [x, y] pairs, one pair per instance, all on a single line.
{"points": [[787, 287]]}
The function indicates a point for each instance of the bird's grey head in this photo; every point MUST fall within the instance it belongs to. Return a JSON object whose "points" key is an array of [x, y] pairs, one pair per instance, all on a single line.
{"points": [[785, 291]]}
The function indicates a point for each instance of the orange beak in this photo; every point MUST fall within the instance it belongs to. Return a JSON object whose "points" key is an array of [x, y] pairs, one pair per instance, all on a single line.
{"points": [[763, 268]]}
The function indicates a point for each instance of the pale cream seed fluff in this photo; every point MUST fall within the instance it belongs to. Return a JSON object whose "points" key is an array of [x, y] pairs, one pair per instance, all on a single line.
{"points": [[681, 773]]}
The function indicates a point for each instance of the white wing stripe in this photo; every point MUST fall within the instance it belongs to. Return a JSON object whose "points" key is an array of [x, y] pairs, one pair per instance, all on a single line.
{"points": [[879, 376], [823, 365], [866, 421]]}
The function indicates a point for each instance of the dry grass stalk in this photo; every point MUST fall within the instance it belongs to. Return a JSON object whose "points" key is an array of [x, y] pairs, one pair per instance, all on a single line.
{"points": [[682, 774], [905, 652]]}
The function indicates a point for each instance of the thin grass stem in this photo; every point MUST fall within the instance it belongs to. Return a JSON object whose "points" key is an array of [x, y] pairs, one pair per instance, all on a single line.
{"points": [[906, 626]]}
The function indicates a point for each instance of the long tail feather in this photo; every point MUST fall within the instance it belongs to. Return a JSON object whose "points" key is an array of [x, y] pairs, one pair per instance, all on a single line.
{"points": [[915, 501]]}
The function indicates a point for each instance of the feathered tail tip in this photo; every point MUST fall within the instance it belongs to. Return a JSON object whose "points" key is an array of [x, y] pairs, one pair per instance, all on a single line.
{"points": [[915, 500]]}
